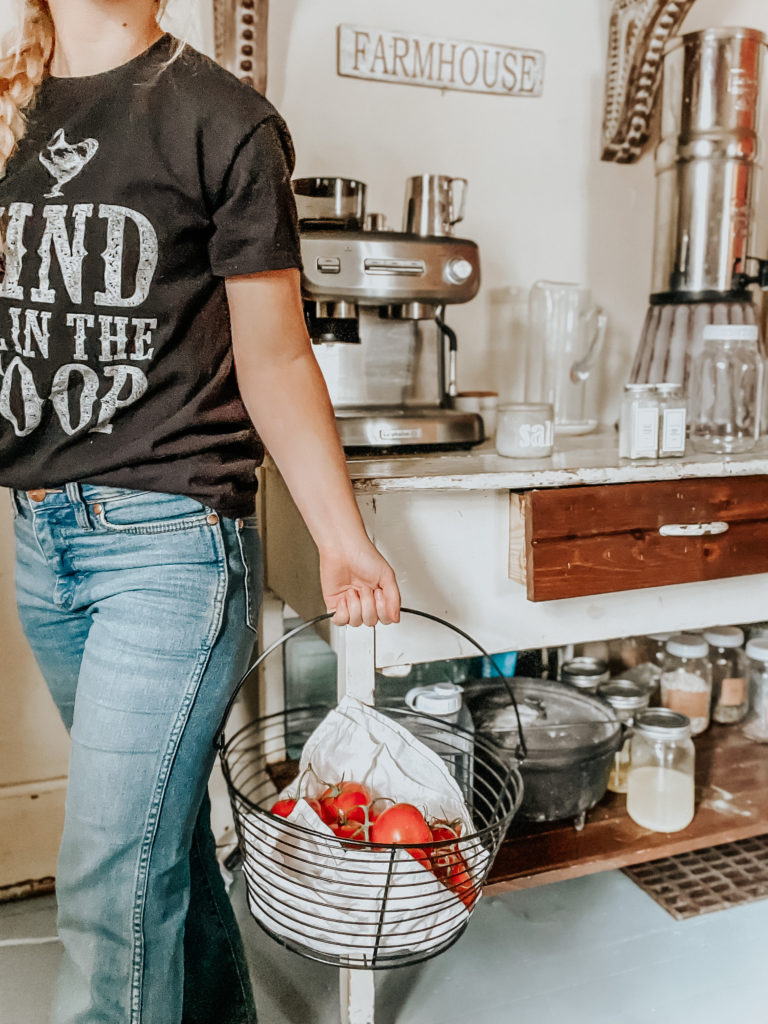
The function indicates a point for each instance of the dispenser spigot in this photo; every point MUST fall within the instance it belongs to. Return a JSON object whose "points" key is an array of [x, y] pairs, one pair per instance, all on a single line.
{"points": [[742, 280]]}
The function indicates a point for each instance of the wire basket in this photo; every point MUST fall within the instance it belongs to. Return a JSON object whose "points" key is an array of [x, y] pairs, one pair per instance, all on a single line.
{"points": [[385, 905]]}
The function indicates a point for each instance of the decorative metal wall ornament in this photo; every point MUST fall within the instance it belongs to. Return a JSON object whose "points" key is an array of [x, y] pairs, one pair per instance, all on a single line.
{"points": [[639, 30], [240, 39]]}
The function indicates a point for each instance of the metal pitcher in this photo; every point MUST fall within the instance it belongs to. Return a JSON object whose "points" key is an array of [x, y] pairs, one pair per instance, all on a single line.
{"points": [[433, 204]]}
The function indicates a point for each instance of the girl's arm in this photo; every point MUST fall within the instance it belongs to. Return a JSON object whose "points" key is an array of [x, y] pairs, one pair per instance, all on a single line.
{"points": [[286, 397]]}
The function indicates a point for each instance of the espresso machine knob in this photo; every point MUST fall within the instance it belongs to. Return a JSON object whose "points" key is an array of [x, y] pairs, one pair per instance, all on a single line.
{"points": [[457, 270]]}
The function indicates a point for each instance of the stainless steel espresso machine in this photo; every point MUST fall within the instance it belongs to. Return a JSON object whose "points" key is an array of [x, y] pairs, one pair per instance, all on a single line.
{"points": [[375, 303]]}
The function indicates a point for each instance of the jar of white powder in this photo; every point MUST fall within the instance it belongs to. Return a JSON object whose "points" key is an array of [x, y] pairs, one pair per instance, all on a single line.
{"points": [[686, 679]]}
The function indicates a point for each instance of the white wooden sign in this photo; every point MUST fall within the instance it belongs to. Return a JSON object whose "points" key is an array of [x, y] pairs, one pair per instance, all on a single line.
{"points": [[437, 62]]}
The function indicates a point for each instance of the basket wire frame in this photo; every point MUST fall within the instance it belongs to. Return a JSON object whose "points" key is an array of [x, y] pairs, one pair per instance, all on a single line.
{"points": [[408, 916]]}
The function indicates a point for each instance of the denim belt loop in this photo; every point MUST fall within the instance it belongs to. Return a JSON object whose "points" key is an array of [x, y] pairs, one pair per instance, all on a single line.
{"points": [[15, 502], [82, 515]]}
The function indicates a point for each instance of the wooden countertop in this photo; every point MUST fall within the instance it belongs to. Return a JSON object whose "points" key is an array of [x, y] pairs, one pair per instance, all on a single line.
{"points": [[731, 804], [586, 459]]}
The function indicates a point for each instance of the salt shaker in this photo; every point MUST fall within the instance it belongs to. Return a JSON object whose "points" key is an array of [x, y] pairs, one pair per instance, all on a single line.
{"points": [[672, 412], [639, 422]]}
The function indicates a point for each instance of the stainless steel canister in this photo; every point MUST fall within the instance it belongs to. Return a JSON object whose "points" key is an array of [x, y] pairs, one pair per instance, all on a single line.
{"points": [[707, 161]]}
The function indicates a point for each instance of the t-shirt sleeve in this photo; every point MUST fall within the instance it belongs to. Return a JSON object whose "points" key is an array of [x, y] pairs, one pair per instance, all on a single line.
{"points": [[254, 219]]}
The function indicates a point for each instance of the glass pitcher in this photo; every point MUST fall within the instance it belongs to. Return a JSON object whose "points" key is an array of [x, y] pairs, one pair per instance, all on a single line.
{"points": [[566, 332]]}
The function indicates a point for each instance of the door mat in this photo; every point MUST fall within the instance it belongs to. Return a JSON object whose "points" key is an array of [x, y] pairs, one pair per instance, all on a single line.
{"points": [[706, 880]]}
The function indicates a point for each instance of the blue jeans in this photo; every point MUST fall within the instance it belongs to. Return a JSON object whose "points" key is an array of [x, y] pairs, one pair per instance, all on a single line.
{"points": [[137, 607]]}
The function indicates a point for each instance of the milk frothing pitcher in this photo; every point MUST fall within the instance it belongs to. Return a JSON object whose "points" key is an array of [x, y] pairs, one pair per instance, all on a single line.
{"points": [[433, 204]]}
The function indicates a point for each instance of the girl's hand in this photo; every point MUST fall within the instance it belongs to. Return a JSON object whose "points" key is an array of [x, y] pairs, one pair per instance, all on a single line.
{"points": [[359, 586]]}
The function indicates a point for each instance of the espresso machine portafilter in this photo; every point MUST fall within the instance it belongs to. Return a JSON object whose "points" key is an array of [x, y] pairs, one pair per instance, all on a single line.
{"points": [[707, 165], [374, 302]]}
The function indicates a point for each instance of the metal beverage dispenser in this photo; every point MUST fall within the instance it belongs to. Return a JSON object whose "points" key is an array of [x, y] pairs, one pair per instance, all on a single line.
{"points": [[707, 167]]}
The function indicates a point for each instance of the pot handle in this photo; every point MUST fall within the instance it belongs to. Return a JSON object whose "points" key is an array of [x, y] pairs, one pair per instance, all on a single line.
{"points": [[522, 750]]}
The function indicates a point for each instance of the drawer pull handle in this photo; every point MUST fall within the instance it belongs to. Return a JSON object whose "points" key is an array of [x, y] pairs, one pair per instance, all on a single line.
{"points": [[692, 529]]}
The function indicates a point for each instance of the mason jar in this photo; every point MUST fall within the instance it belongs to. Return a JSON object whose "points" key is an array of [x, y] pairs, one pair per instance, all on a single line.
{"points": [[725, 390], [585, 673], [686, 679], [627, 699], [660, 783], [755, 725], [730, 695]]}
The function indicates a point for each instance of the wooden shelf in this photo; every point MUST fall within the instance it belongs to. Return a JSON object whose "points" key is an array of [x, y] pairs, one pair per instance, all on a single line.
{"points": [[731, 804]]}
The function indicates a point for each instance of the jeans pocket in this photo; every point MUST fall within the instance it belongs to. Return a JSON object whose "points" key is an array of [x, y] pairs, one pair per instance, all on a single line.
{"points": [[147, 512], [249, 543]]}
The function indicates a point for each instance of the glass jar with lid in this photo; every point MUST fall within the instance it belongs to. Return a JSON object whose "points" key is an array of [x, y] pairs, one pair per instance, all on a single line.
{"points": [[585, 673], [725, 390], [660, 783], [755, 725], [730, 695], [627, 698], [686, 679]]}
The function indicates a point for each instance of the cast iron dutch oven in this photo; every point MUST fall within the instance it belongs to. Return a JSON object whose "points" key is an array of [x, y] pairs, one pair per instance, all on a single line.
{"points": [[571, 738]]}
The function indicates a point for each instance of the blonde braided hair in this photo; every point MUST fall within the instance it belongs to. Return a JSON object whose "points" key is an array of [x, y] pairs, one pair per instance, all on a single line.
{"points": [[22, 69]]}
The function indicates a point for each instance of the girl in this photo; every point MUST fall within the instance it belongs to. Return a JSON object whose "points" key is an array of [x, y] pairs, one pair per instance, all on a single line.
{"points": [[150, 318]]}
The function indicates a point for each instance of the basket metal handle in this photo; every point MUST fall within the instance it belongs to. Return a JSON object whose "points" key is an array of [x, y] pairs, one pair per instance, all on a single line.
{"points": [[522, 750]]}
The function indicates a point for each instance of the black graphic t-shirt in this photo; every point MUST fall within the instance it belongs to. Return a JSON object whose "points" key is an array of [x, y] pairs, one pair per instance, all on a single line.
{"points": [[131, 198]]}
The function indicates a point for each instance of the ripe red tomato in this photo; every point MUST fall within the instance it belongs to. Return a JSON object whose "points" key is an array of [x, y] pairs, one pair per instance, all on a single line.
{"points": [[403, 824], [338, 800], [460, 882], [283, 807]]}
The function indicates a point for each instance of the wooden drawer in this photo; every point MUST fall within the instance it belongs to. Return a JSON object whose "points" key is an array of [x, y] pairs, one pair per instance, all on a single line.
{"points": [[576, 541]]}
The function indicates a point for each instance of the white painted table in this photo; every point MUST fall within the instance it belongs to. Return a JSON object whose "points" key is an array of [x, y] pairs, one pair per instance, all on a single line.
{"points": [[443, 522]]}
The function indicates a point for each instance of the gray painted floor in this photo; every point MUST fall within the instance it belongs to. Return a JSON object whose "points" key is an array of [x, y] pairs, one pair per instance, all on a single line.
{"points": [[595, 950]]}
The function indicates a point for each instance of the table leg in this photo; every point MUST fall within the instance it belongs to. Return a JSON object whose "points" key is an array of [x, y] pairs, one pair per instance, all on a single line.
{"points": [[356, 653]]}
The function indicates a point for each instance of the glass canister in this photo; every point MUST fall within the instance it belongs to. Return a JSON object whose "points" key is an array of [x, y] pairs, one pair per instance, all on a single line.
{"points": [[730, 695], [627, 699], [660, 784], [755, 725], [585, 673], [725, 390], [686, 679]]}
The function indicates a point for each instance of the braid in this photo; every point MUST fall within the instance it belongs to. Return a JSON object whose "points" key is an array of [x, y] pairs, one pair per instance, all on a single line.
{"points": [[22, 69]]}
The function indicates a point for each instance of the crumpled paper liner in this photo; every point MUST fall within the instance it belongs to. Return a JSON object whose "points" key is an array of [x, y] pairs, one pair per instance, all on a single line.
{"points": [[343, 899]]}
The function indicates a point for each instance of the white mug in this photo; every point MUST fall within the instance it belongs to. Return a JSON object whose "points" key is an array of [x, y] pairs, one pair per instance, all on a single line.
{"points": [[482, 402]]}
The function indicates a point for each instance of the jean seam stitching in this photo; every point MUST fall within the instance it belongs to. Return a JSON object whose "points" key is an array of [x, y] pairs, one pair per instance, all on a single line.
{"points": [[140, 892], [148, 529]]}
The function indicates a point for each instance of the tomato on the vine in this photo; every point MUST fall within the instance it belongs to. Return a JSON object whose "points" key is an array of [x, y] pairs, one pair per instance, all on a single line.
{"points": [[338, 800], [283, 807], [403, 825]]}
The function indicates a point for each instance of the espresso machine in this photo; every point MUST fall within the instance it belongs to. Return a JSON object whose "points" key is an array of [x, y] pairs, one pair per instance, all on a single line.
{"points": [[375, 300], [707, 166]]}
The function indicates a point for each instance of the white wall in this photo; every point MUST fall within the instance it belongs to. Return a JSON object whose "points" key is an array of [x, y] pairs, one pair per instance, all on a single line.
{"points": [[541, 203]]}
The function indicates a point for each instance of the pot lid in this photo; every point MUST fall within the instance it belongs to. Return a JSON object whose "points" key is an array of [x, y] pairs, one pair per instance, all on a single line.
{"points": [[559, 722]]}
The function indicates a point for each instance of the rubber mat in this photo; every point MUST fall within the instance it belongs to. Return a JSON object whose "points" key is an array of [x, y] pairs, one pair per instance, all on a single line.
{"points": [[706, 880]]}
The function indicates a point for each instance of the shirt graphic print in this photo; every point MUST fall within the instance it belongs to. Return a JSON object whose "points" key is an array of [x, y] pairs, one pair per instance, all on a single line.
{"points": [[131, 198]]}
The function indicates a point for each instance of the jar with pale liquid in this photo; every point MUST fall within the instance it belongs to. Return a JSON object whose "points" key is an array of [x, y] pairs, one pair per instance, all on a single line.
{"points": [[660, 784]]}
